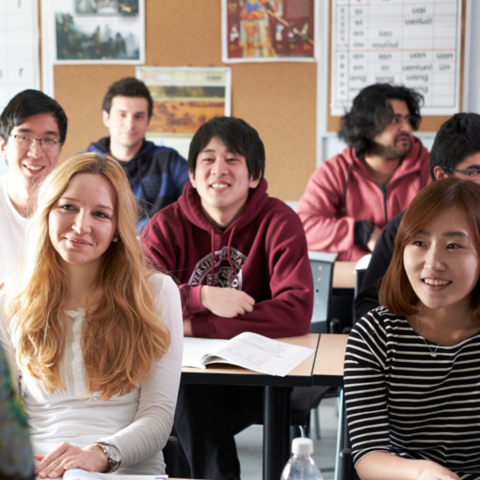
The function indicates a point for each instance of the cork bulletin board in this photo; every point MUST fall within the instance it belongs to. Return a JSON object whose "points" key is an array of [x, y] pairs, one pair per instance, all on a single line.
{"points": [[417, 44], [278, 99]]}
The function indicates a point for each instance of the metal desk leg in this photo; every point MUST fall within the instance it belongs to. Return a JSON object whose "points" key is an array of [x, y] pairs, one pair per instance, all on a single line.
{"points": [[276, 431], [342, 435]]}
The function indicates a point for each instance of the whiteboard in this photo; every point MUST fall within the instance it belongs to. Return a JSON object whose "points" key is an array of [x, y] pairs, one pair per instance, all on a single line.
{"points": [[409, 42], [19, 49]]}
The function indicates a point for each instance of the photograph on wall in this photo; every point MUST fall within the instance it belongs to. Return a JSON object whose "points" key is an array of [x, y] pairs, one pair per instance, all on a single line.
{"points": [[98, 31], [268, 30], [184, 98]]}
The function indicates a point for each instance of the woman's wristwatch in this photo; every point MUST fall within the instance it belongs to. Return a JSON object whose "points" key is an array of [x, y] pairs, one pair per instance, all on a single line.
{"points": [[113, 456]]}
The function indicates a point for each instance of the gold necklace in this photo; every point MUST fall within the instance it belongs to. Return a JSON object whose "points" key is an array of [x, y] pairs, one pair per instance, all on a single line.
{"points": [[433, 353]]}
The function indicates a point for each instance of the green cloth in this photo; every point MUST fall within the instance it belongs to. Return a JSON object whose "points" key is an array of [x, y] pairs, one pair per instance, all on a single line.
{"points": [[16, 460]]}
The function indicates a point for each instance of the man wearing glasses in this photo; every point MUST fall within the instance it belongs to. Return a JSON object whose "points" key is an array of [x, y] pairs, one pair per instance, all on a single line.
{"points": [[33, 128], [455, 152]]}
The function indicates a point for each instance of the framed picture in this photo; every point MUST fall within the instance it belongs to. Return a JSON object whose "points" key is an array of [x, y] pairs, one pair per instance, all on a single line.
{"points": [[268, 30]]}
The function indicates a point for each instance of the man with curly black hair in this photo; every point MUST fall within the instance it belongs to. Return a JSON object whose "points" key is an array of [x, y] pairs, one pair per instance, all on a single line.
{"points": [[351, 196]]}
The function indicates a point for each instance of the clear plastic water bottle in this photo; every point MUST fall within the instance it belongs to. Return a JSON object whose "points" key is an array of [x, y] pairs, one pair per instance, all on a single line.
{"points": [[301, 465]]}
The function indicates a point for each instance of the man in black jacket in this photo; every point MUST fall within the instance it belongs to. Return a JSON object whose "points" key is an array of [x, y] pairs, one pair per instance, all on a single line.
{"points": [[455, 152]]}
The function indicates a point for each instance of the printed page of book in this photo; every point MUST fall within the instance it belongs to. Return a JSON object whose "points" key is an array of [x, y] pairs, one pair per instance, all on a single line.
{"points": [[195, 349], [261, 354]]}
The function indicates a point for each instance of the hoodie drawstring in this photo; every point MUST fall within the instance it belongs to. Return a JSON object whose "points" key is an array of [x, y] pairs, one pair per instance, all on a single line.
{"points": [[230, 261], [232, 271], [212, 236]]}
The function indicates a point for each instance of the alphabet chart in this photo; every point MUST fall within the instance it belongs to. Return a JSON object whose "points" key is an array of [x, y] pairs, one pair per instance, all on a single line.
{"points": [[19, 62], [408, 42]]}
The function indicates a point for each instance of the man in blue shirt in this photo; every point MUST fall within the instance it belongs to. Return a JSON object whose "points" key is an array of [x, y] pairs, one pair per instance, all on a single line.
{"points": [[157, 174]]}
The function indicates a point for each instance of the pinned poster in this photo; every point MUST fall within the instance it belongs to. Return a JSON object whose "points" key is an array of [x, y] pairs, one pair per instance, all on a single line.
{"points": [[184, 98], [94, 31], [19, 49], [413, 43], [268, 30]]}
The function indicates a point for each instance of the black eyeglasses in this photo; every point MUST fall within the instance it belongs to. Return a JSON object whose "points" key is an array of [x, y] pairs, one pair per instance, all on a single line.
{"points": [[469, 173], [22, 141]]}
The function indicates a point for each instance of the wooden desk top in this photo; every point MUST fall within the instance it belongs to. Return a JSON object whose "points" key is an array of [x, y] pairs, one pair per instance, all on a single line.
{"points": [[344, 275], [233, 375], [328, 368]]}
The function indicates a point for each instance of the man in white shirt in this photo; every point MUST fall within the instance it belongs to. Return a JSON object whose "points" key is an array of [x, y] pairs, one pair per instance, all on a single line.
{"points": [[33, 128]]}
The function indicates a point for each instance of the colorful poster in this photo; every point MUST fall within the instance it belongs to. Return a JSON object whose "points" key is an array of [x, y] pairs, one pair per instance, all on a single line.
{"points": [[96, 31], [184, 98], [268, 30], [409, 42], [19, 49]]}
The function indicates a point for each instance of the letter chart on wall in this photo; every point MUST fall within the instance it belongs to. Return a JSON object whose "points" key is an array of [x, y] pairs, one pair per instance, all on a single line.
{"points": [[409, 42], [18, 48]]}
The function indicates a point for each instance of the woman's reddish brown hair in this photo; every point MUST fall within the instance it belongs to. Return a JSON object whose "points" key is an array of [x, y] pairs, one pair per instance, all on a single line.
{"points": [[463, 196]]}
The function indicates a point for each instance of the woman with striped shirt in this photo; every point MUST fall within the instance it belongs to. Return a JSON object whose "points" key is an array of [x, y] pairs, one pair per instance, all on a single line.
{"points": [[412, 367]]}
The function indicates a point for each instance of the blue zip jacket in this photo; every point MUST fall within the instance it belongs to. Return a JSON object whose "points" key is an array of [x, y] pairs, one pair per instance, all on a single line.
{"points": [[157, 176]]}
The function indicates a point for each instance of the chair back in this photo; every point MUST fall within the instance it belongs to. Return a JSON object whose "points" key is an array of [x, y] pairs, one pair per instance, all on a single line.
{"points": [[322, 271], [359, 274]]}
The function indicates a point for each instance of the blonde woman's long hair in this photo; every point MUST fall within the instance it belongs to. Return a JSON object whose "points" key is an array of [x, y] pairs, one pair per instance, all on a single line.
{"points": [[122, 335]]}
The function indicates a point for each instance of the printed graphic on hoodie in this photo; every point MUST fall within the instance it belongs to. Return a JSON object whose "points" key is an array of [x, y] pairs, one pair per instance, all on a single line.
{"points": [[227, 269]]}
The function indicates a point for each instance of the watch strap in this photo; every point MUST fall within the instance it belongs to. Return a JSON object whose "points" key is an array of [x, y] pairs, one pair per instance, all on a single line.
{"points": [[113, 465]]}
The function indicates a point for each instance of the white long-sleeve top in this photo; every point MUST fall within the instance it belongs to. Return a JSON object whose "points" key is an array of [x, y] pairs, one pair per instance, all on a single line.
{"points": [[138, 423]]}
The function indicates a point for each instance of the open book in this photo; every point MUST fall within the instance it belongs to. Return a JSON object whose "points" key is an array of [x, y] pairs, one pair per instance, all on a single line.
{"points": [[247, 350], [79, 474]]}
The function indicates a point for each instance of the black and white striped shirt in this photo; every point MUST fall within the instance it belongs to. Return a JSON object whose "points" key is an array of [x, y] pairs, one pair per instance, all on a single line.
{"points": [[402, 399]]}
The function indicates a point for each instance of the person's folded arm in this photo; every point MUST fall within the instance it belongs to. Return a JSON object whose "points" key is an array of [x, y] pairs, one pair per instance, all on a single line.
{"points": [[385, 466], [152, 425], [287, 313]]}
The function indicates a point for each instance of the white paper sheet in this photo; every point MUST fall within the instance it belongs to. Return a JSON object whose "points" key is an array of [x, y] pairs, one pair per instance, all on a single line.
{"points": [[80, 474], [247, 350], [409, 42], [194, 349]]}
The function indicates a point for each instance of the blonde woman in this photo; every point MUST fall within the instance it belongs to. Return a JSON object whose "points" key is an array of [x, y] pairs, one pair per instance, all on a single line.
{"points": [[96, 338]]}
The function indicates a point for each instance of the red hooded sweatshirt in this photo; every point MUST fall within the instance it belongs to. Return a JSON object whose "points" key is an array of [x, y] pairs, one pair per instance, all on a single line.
{"points": [[341, 192], [263, 253]]}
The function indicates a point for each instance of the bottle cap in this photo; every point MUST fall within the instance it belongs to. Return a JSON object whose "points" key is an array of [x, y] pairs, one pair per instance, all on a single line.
{"points": [[302, 446]]}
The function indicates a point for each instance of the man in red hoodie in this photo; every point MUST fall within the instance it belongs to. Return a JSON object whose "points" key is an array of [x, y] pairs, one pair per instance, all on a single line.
{"points": [[351, 196], [242, 264]]}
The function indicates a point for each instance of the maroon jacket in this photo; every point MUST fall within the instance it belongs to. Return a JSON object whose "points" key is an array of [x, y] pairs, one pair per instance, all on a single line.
{"points": [[263, 252]]}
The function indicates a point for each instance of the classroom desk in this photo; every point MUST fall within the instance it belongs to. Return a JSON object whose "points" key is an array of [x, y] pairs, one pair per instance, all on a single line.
{"points": [[344, 275], [276, 417], [328, 368]]}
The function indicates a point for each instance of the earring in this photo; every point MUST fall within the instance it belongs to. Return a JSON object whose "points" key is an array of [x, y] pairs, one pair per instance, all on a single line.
{"points": [[115, 239]]}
